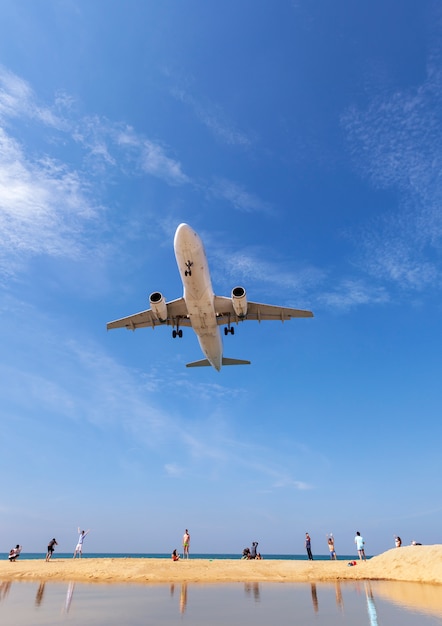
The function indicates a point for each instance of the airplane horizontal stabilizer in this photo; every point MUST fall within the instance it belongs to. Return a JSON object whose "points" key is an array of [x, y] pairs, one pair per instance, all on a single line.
{"points": [[234, 362], [205, 362], [201, 363]]}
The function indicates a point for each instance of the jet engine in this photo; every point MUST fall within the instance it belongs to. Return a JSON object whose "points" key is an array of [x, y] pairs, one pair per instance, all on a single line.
{"points": [[239, 301], [158, 306]]}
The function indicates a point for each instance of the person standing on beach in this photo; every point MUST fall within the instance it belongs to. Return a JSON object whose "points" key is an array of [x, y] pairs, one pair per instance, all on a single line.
{"points": [[308, 546], [360, 543], [51, 549], [397, 541], [331, 547], [253, 550], [186, 544], [79, 546]]}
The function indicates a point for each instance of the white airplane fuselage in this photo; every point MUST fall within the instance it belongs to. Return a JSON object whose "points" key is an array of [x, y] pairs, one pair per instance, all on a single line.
{"points": [[198, 292]]}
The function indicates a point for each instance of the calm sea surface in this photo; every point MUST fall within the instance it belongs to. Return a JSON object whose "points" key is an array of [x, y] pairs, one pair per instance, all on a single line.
{"points": [[121, 555], [332, 604]]}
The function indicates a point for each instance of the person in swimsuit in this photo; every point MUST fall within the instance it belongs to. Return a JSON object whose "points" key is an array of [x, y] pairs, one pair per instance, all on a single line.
{"points": [[186, 544], [331, 547]]}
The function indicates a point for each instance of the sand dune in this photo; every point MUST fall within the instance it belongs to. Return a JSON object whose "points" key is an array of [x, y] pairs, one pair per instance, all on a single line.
{"points": [[421, 564]]}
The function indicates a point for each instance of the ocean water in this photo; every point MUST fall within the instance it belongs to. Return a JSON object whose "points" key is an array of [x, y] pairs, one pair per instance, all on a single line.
{"points": [[357, 603], [149, 555]]}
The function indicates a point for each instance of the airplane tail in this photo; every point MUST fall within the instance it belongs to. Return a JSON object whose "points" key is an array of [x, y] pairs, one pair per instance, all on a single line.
{"points": [[226, 361]]}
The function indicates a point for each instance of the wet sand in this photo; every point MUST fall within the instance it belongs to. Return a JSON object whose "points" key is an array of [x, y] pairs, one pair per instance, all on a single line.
{"points": [[421, 564]]}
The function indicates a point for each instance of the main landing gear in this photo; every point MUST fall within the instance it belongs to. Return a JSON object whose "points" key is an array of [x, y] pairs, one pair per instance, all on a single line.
{"points": [[177, 333], [229, 329]]}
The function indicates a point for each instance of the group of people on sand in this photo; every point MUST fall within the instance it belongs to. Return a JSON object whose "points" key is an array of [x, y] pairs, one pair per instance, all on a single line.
{"points": [[15, 552], [330, 543], [248, 553], [78, 548], [252, 553], [359, 541], [186, 547]]}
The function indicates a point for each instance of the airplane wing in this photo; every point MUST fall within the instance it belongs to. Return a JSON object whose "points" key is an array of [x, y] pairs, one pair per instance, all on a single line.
{"points": [[255, 311], [176, 312]]}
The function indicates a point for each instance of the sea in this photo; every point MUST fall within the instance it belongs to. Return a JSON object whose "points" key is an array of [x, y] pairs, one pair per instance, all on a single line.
{"points": [[164, 555]]}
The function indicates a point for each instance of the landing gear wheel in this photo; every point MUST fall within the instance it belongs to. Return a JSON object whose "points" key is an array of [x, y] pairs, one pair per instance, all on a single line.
{"points": [[180, 333], [174, 334]]}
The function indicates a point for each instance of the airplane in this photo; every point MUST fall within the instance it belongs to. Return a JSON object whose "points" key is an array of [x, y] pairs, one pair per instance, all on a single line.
{"points": [[199, 307]]}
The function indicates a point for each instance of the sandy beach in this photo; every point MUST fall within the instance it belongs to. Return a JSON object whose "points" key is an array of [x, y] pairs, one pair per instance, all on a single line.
{"points": [[420, 564]]}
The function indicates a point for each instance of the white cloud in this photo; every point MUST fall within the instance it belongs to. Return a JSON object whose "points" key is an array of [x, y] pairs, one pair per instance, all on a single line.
{"points": [[173, 470], [17, 99], [396, 143], [46, 206], [215, 120], [154, 161], [350, 293], [239, 197], [249, 265], [43, 206]]}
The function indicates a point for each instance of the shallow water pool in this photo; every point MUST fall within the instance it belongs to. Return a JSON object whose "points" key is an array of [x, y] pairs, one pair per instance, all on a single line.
{"points": [[332, 604]]}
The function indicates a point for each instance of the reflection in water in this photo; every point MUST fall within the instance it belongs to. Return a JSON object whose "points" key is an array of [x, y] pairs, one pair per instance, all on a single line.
{"points": [[339, 600], [69, 595], [414, 596], [371, 608], [183, 596], [314, 598], [114, 605], [252, 588], [40, 593], [4, 589]]}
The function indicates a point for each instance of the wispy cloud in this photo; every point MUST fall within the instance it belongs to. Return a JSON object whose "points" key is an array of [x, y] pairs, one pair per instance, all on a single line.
{"points": [[239, 197], [17, 99], [350, 293], [43, 207], [251, 265], [46, 204], [214, 119], [395, 143]]}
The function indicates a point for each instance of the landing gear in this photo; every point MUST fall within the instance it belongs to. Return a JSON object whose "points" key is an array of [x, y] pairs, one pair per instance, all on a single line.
{"points": [[177, 332], [188, 272], [229, 329]]}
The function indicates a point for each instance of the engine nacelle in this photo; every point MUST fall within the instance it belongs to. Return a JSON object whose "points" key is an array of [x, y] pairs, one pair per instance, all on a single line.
{"points": [[239, 301], [158, 306]]}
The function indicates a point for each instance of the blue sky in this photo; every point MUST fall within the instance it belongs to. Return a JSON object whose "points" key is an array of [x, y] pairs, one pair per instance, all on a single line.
{"points": [[303, 142]]}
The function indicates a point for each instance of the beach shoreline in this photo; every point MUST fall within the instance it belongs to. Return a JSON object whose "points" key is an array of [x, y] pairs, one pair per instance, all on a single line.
{"points": [[422, 564]]}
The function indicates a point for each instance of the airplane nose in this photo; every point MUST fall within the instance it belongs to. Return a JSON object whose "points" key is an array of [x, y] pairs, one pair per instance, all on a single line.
{"points": [[184, 233]]}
